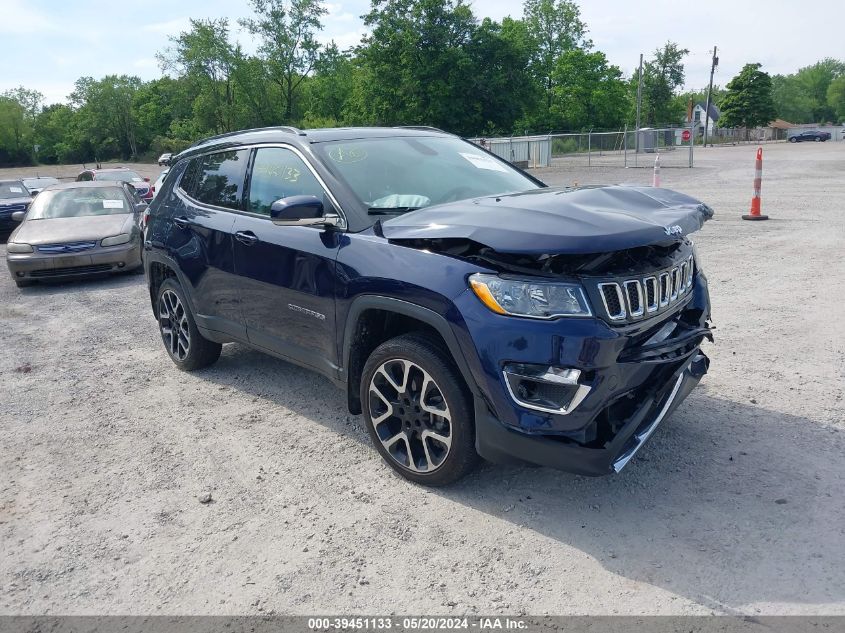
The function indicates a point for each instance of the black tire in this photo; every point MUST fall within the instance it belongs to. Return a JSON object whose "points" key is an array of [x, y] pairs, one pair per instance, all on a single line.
{"points": [[792, 139], [189, 352], [416, 354], [25, 283]]}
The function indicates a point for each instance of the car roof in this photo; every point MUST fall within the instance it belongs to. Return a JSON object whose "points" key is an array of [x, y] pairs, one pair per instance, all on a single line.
{"points": [[286, 134], [87, 184], [8, 180], [100, 171]]}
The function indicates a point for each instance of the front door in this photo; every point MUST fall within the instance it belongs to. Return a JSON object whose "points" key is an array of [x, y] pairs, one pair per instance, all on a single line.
{"points": [[287, 273]]}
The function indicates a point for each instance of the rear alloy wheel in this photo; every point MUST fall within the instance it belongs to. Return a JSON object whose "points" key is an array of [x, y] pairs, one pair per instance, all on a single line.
{"points": [[182, 340], [417, 412], [793, 140]]}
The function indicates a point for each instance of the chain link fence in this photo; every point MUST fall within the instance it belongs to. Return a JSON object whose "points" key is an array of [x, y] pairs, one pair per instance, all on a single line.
{"points": [[625, 148]]}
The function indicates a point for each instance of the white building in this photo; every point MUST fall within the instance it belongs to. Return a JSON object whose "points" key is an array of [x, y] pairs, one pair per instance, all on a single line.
{"points": [[698, 118]]}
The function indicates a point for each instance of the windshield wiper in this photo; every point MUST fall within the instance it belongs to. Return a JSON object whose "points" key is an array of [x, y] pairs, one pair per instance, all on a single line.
{"points": [[389, 210]]}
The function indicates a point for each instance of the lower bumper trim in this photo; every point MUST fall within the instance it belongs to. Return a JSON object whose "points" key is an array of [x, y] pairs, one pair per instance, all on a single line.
{"points": [[497, 443], [640, 437]]}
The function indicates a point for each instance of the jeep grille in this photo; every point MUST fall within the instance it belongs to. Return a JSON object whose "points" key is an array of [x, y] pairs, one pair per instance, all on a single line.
{"points": [[646, 296]]}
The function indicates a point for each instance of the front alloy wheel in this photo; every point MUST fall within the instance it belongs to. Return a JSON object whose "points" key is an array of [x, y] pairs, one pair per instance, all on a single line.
{"points": [[418, 411], [410, 416]]}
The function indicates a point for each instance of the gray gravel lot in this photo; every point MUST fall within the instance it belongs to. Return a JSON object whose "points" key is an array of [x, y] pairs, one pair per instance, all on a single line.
{"points": [[735, 505]]}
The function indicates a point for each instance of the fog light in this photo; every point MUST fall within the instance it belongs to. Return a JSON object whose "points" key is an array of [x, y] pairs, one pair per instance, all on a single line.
{"points": [[545, 388], [120, 264], [20, 273]]}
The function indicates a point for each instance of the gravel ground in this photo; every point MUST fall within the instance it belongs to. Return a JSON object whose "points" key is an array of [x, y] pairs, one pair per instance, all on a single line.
{"points": [[734, 506]]}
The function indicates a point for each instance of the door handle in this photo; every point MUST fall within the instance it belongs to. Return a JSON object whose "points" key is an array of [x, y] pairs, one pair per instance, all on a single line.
{"points": [[182, 222], [246, 237]]}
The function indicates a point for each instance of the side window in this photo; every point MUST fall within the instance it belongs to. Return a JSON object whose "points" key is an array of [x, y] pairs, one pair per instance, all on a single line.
{"points": [[221, 179], [189, 177], [132, 193], [278, 173]]}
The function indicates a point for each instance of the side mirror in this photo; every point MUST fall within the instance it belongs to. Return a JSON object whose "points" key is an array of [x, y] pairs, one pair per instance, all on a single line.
{"points": [[18, 216], [301, 211]]}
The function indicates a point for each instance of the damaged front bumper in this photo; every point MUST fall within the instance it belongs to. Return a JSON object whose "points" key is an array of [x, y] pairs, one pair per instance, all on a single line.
{"points": [[628, 379], [497, 443]]}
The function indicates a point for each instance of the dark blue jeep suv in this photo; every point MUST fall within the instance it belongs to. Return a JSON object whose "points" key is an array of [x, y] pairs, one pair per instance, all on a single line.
{"points": [[467, 309]]}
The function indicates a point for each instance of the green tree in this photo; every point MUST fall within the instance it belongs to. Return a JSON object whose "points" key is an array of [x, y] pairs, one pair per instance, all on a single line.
{"points": [[814, 82], [588, 93], [414, 64], [329, 90], [803, 97], [554, 28], [792, 103], [748, 102], [204, 56], [836, 97], [286, 30], [499, 88], [663, 74], [105, 111], [19, 108]]}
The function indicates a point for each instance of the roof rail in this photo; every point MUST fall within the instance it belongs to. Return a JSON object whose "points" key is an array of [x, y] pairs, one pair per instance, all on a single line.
{"points": [[429, 128], [280, 128]]}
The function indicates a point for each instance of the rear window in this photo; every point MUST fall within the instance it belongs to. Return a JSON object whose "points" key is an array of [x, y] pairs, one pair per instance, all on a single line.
{"points": [[77, 203], [119, 176], [220, 180]]}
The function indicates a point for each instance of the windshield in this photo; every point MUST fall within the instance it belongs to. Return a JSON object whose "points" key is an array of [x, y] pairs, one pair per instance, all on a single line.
{"points": [[393, 175], [12, 189], [120, 176], [78, 203]]}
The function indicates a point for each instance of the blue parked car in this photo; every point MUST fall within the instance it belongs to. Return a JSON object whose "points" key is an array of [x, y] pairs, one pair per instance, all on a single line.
{"points": [[14, 197], [467, 309]]}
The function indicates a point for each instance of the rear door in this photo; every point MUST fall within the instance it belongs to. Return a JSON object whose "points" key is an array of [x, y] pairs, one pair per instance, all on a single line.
{"points": [[202, 216], [287, 273]]}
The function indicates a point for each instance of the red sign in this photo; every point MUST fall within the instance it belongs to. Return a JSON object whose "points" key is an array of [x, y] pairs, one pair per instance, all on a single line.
{"points": [[685, 135]]}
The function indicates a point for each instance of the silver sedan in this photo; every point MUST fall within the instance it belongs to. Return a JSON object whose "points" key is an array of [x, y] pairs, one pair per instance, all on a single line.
{"points": [[76, 230]]}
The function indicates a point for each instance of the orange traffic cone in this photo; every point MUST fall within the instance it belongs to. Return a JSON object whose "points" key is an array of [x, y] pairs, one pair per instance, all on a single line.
{"points": [[755, 197]]}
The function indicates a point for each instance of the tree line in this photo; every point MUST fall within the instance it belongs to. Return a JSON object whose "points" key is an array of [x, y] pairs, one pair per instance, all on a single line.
{"points": [[424, 62]]}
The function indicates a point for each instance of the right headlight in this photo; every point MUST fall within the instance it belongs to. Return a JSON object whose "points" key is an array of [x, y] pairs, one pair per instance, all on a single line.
{"points": [[115, 240], [530, 298], [17, 247]]}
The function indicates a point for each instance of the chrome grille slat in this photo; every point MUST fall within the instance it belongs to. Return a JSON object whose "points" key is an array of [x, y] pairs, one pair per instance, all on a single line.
{"points": [[676, 284], [651, 296], [613, 299], [664, 285], [634, 295], [630, 299], [70, 247]]}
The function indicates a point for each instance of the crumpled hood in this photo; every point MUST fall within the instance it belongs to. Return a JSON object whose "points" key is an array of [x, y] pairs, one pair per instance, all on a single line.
{"points": [[64, 230], [559, 220]]}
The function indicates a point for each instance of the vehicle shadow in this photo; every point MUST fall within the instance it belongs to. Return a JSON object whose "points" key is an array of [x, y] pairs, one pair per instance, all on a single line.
{"points": [[48, 287], [729, 504]]}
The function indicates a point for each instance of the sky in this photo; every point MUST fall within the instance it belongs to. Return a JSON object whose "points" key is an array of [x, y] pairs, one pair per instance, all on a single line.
{"points": [[48, 44]]}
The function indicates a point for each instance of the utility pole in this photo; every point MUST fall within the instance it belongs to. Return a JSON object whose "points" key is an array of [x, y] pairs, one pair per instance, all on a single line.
{"points": [[639, 105], [713, 64]]}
